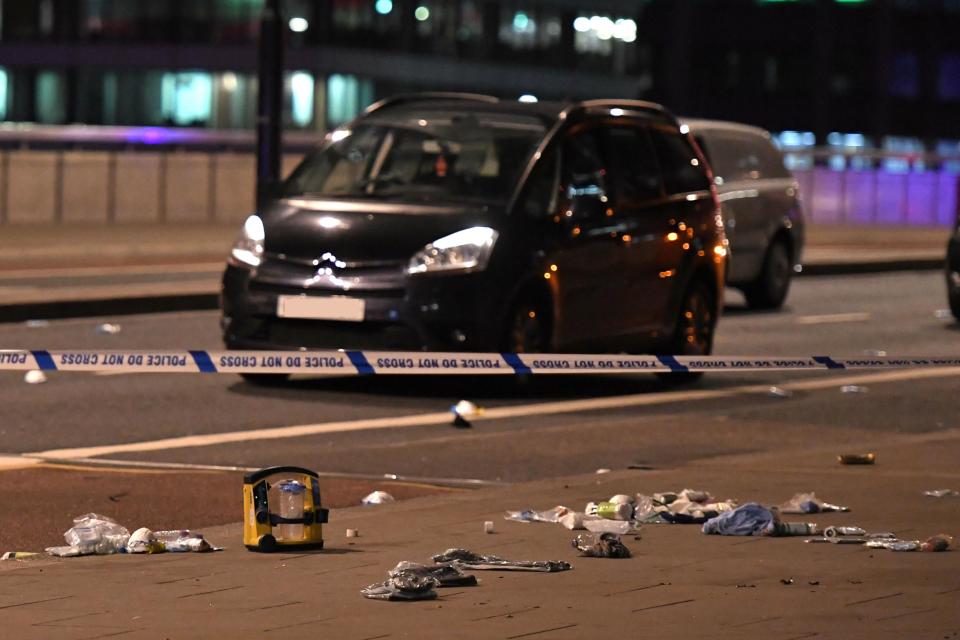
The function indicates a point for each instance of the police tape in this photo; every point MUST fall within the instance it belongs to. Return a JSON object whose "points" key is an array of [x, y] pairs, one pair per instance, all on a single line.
{"points": [[342, 362]]}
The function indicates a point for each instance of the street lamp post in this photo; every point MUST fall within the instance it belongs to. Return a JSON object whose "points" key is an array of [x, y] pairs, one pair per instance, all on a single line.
{"points": [[269, 99]]}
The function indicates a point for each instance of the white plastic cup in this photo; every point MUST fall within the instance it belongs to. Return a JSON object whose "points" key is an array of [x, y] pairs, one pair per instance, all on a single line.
{"points": [[488, 526]]}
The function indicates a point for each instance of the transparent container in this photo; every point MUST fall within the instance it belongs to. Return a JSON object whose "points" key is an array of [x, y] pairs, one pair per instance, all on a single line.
{"points": [[292, 494]]}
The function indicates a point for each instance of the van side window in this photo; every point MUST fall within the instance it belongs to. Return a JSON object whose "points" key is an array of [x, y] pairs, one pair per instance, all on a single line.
{"points": [[682, 170], [542, 191], [637, 175], [584, 173], [735, 156]]}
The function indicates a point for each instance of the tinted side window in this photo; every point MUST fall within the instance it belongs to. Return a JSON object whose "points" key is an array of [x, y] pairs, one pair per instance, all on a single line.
{"points": [[744, 157], [682, 170], [540, 194], [635, 167], [584, 172]]}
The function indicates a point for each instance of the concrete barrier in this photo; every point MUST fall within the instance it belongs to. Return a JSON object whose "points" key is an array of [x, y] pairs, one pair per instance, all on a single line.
{"points": [[31, 187]]}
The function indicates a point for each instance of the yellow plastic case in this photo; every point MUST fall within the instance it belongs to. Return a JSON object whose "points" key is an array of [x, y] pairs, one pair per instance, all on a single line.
{"points": [[258, 521]]}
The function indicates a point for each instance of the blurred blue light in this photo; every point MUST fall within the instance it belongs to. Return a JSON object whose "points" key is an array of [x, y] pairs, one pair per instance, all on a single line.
{"points": [[383, 7]]}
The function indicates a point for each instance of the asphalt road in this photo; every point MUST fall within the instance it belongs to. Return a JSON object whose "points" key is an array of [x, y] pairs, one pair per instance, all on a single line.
{"points": [[578, 424]]}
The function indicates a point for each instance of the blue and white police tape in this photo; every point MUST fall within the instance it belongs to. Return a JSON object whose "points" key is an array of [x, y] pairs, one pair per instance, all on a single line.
{"points": [[342, 362]]}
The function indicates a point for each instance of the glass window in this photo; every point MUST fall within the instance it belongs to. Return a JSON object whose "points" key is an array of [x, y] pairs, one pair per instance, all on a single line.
{"points": [[950, 77], [635, 168], [187, 98], [423, 156], [681, 169], [584, 171], [540, 195], [742, 157]]}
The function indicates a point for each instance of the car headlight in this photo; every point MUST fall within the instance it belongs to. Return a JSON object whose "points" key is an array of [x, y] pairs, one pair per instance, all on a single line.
{"points": [[466, 250], [248, 249]]}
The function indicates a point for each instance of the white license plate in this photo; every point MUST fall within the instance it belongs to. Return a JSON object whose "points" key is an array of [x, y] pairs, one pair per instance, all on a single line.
{"points": [[316, 308]]}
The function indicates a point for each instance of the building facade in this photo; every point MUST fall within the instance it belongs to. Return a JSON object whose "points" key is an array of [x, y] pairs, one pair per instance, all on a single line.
{"points": [[883, 70]]}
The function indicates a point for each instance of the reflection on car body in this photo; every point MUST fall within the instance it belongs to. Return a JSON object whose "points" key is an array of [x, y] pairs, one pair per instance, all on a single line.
{"points": [[761, 206], [454, 222]]}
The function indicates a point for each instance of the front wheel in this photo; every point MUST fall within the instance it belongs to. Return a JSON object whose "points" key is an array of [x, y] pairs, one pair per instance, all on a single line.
{"points": [[770, 289]]}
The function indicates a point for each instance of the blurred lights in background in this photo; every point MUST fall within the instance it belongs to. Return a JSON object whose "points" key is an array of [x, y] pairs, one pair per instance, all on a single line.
{"points": [[383, 7], [298, 25], [422, 13], [527, 98], [301, 98], [3, 93]]}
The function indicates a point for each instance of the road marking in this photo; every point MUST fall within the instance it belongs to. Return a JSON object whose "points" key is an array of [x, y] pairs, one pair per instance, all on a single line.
{"points": [[9, 463], [834, 318], [497, 413]]}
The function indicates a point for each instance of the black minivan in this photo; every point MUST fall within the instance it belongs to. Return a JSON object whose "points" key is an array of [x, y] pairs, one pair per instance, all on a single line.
{"points": [[461, 222]]}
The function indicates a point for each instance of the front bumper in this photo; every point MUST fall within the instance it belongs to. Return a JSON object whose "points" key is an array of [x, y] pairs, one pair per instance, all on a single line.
{"points": [[437, 313]]}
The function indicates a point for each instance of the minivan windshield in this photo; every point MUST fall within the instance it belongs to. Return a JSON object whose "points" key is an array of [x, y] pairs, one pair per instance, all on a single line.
{"points": [[422, 156]]}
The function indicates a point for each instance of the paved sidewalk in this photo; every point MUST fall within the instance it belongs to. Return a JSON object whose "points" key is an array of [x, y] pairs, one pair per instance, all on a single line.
{"points": [[679, 584]]}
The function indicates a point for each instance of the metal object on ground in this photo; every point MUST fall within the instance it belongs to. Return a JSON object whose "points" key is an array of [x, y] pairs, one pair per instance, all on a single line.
{"points": [[857, 458]]}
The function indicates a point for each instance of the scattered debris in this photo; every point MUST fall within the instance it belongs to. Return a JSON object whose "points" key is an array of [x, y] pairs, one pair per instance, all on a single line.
{"points": [[600, 545], [751, 519], [942, 493], [471, 560], [746, 586], [786, 580], [18, 555], [779, 392], [837, 532], [35, 376], [529, 515], [854, 388], [463, 411], [894, 545], [488, 526], [809, 503], [353, 533], [603, 470], [93, 533], [939, 542], [857, 458], [447, 574], [377, 497], [603, 525], [641, 466], [874, 352], [108, 329], [813, 583], [37, 324], [610, 510], [689, 506], [943, 313], [404, 585]]}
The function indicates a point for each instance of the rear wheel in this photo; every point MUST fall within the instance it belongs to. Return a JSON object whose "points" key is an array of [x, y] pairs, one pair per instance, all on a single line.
{"points": [[527, 328], [693, 335], [770, 289]]}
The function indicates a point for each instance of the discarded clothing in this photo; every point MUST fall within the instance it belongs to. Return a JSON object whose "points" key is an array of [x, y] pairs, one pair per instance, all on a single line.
{"points": [[751, 519], [471, 560]]}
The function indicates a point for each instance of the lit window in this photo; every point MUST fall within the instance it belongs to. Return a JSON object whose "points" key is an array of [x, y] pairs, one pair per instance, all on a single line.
{"points": [[187, 98], [301, 98]]}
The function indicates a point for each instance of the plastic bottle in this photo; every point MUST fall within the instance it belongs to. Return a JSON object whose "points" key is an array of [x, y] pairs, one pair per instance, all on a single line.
{"points": [[291, 506]]}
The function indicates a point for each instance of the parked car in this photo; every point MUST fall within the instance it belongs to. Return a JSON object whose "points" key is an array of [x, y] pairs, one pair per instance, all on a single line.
{"points": [[761, 208], [463, 222], [953, 269]]}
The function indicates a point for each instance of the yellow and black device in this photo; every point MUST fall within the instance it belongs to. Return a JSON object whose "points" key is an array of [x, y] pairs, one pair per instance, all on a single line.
{"points": [[298, 523]]}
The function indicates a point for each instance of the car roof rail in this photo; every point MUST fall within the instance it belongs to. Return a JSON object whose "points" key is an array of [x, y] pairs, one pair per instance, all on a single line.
{"points": [[627, 105], [405, 98]]}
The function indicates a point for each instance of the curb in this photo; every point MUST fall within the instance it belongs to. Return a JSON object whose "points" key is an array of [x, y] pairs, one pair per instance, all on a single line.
{"points": [[55, 310], [879, 266]]}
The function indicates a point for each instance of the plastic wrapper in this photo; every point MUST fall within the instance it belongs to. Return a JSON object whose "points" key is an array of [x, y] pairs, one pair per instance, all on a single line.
{"points": [[836, 532], [809, 503], [143, 540], [942, 493], [689, 506], [894, 545], [529, 515], [600, 545], [471, 560], [447, 574], [403, 585], [93, 533], [610, 510], [602, 525], [377, 497]]}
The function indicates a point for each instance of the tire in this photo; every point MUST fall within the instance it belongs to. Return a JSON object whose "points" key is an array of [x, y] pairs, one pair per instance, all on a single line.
{"points": [[693, 335], [770, 289], [528, 328], [265, 379]]}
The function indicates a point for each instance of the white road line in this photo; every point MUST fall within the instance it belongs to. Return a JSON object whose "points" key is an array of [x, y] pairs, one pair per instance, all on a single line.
{"points": [[498, 413], [833, 318], [9, 463]]}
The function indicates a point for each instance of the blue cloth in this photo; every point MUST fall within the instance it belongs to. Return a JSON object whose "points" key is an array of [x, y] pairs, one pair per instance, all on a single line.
{"points": [[750, 519]]}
